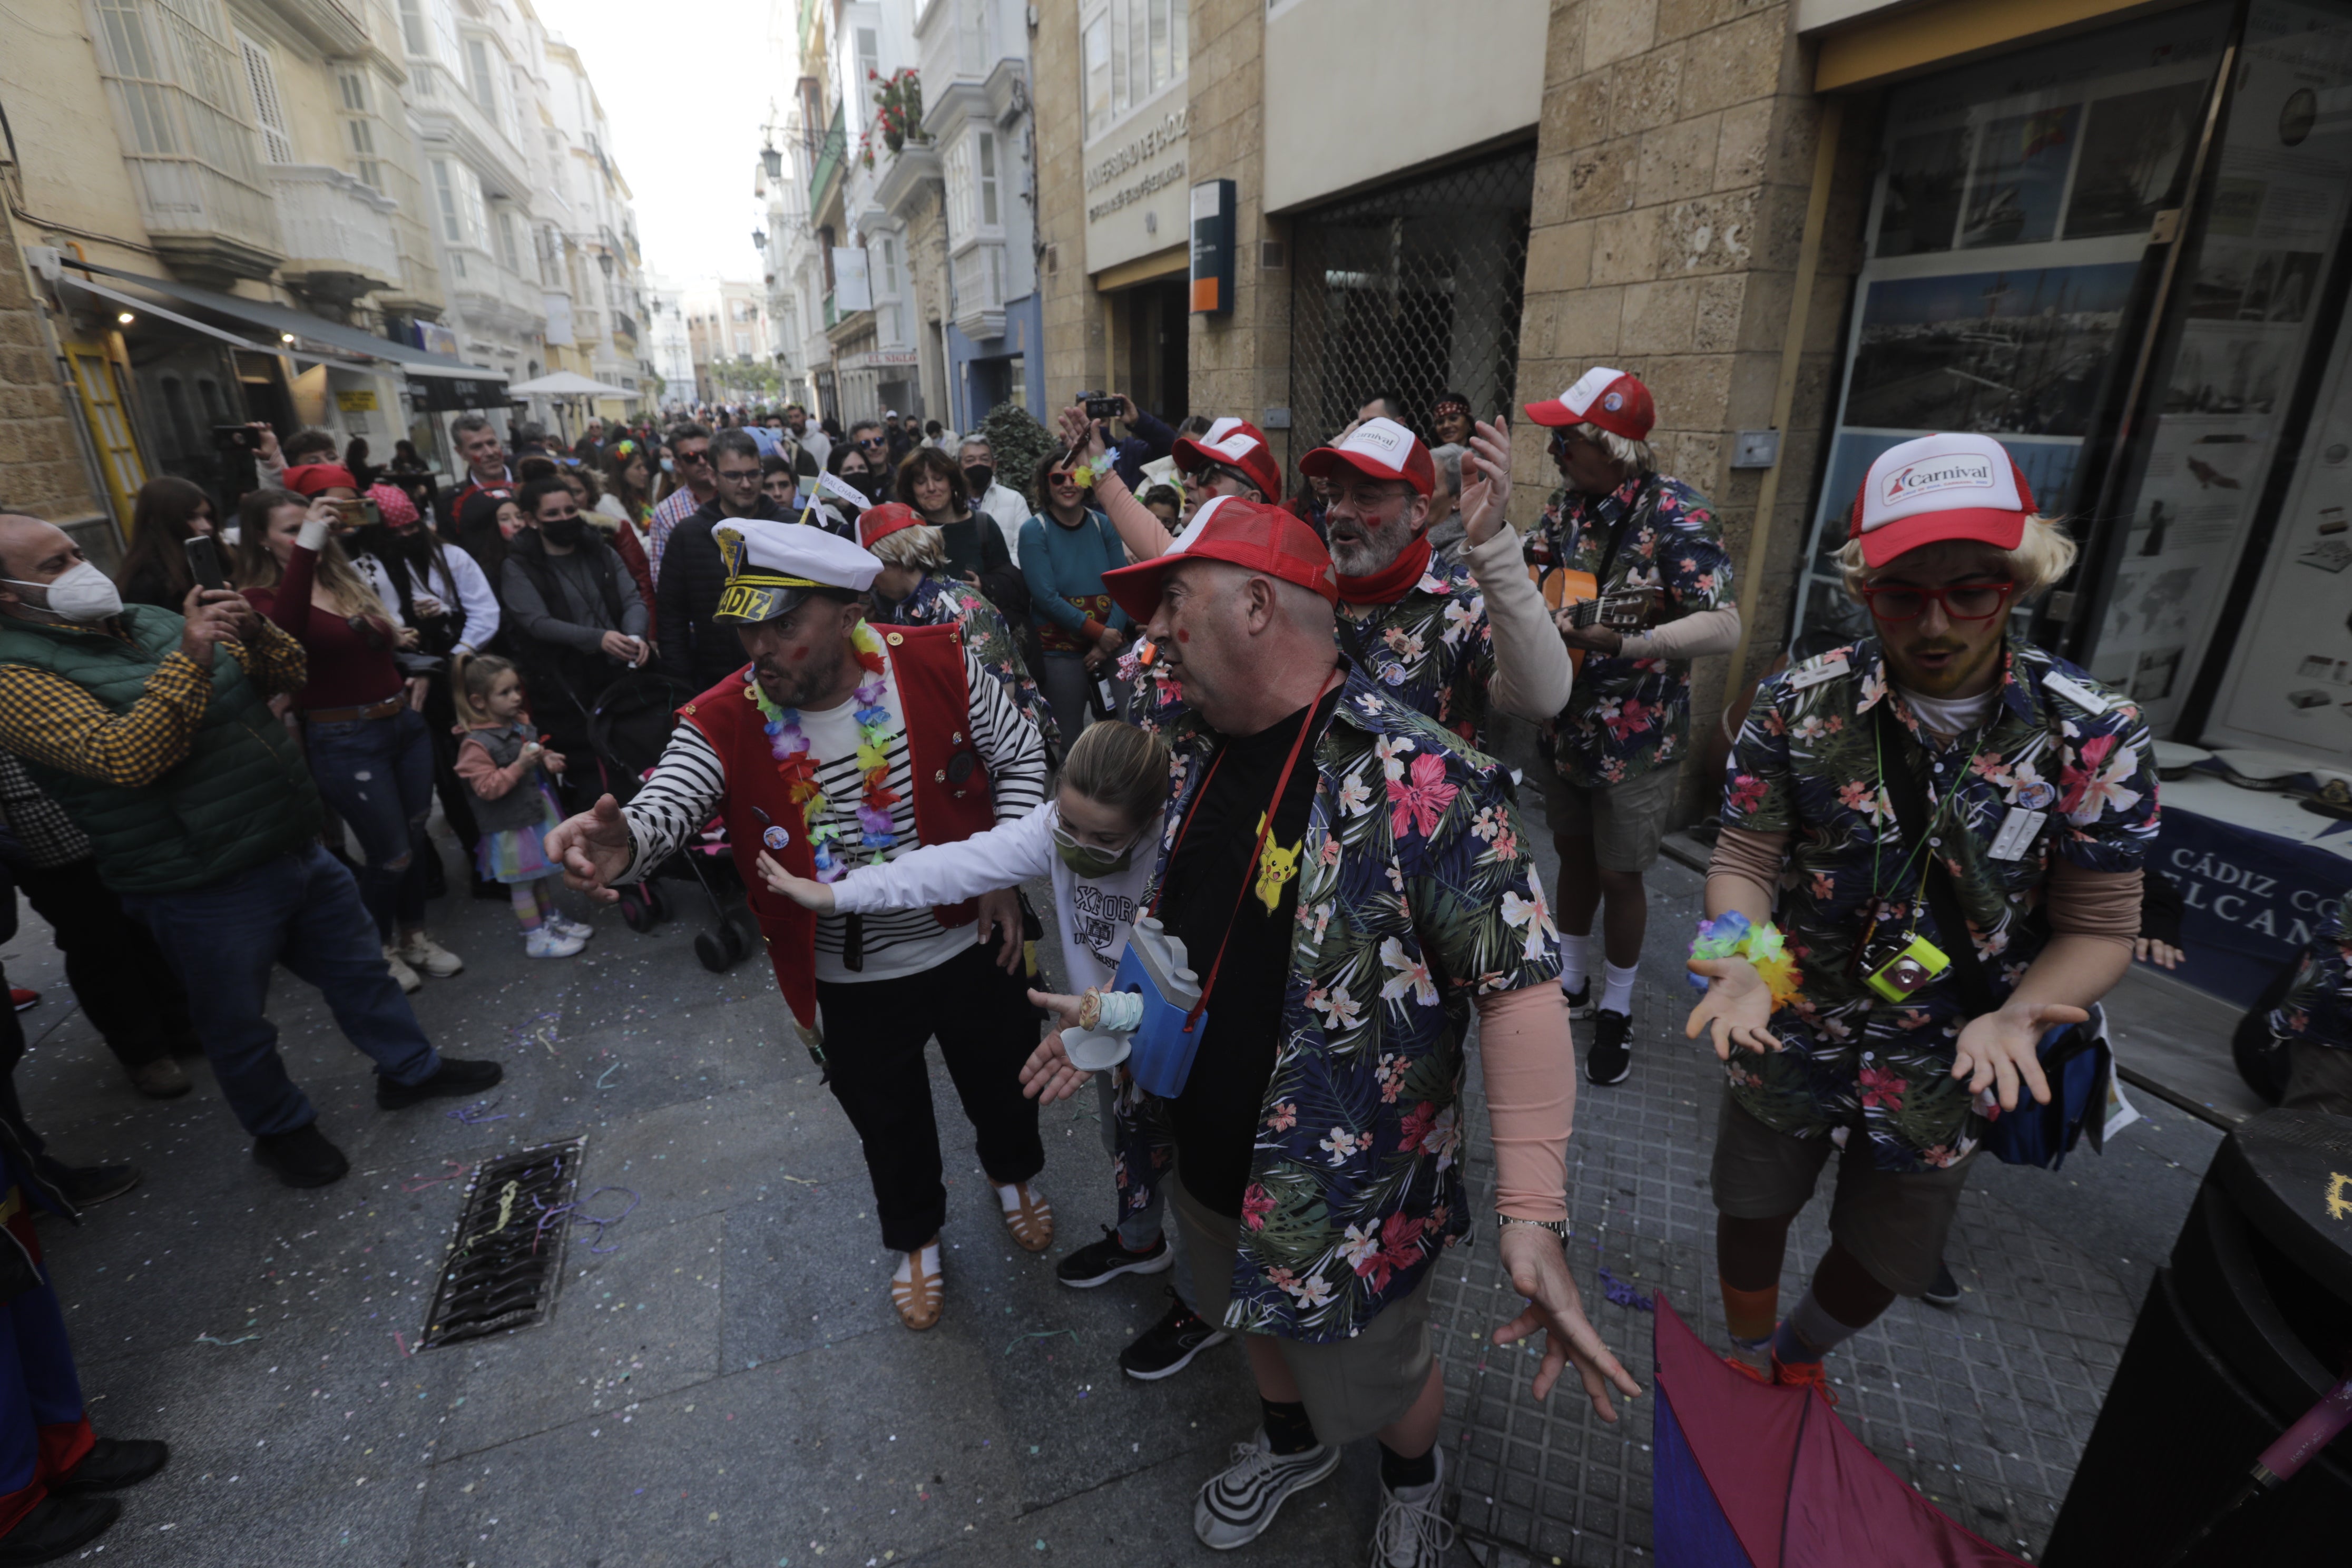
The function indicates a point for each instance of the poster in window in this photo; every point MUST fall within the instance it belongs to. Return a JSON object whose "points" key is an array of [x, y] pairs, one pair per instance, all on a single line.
{"points": [[2136, 148]]}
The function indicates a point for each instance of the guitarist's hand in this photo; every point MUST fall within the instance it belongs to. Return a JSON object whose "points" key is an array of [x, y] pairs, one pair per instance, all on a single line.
{"points": [[1591, 639]]}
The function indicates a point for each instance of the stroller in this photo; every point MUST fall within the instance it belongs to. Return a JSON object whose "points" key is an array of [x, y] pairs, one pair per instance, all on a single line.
{"points": [[628, 725]]}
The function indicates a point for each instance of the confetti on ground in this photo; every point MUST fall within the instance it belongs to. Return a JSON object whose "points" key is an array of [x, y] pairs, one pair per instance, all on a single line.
{"points": [[208, 1340], [478, 1114], [1038, 1334], [1624, 1295]]}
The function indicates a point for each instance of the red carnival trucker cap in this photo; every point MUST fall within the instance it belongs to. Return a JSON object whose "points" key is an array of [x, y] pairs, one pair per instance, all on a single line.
{"points": [[1263, 538], [1234, 443], [1610, 399], [881, 522], [1379, 449], [1936, 487]]}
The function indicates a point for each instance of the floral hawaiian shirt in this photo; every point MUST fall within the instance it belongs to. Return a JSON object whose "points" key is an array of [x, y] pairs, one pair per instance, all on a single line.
{"points": [[1807, 766], [941, 601], [1417, 893], [1630, 715], [2317, 1007], [1432, 648]]}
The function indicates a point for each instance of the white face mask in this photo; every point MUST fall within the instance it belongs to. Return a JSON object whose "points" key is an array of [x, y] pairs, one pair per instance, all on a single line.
{"points": [[81, 593]]}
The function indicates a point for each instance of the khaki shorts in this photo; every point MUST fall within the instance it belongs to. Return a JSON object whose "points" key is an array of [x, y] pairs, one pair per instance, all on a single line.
{"points": [[1893, 1221], [1625, 822], [1351, 1388]]}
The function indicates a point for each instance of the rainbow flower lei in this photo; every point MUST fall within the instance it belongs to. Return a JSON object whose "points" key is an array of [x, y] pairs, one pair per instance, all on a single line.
{"points": [[790, 745], [1731, 935]]}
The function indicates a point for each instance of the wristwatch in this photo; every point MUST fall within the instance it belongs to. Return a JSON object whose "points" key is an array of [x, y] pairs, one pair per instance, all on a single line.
{"points": [[1558, 1227]]}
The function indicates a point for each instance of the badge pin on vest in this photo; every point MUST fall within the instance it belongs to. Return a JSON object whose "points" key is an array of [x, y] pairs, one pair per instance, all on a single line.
{"points": [[1155, 965]]}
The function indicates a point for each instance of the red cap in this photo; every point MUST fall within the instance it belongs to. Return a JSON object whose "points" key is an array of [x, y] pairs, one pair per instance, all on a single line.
{"points": [[1261, 538], [310, 479], [1234, 443], [1609, 398], [881, 522], [1379, 449], [1950, 485]]}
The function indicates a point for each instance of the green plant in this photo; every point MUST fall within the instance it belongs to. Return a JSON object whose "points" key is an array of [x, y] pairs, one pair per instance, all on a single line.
{"points": [[1013, 434], [899, 102]]}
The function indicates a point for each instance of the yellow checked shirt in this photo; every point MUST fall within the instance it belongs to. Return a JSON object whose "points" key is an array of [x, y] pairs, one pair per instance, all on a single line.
{"points": [[49, 719]]}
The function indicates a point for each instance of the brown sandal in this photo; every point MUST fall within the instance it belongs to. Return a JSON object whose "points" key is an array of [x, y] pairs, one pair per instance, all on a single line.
{"points": [[1032, 1224], [919, 1298]]}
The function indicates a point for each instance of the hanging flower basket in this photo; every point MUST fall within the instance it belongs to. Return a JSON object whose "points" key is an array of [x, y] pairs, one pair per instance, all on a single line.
{"points": [[898, 104]]}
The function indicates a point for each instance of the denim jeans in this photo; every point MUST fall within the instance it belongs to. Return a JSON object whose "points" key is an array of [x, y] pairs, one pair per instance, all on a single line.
{"points": [[377, 775], [302, 909]]}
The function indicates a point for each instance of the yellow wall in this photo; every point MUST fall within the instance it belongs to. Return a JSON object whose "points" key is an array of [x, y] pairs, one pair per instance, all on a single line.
{"points": [[73, 172]]}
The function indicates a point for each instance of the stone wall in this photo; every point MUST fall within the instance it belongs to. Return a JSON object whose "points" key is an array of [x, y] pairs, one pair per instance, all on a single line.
{"points": [[1240, 360], [1673, 162], [1074, 347], [42, 470]]}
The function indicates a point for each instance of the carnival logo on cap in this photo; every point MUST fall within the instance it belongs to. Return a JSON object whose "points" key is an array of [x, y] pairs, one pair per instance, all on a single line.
{"points": [[1614, 402], [1379, 433], [1943, 472]]}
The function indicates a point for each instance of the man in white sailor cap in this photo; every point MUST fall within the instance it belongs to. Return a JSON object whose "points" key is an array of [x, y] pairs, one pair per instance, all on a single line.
{"points": [[776, 747]]}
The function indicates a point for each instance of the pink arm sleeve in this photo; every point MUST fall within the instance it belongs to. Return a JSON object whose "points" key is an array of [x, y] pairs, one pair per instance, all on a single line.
{"points": [[1139, 529], [488, 779], [1530, 1071]]}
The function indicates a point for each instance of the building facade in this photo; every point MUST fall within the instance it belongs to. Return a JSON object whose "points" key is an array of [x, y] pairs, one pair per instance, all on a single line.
{"points": [[306, 214]]}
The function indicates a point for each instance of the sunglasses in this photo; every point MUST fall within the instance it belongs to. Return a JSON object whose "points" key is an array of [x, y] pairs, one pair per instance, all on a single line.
{"points": [[1968, 602], [872, 441]]}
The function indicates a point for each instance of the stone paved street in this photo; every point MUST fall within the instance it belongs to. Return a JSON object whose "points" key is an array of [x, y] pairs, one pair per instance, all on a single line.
{"points": [[728, 1386]]}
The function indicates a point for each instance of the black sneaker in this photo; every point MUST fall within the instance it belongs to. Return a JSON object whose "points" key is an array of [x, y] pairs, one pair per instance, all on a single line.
{"points": [[86, 1185], [112, 1464], [1236, 1505], [452, 1078], [1099, 1261], [303, 1158], [1579, 1001], [57, 1526], [1168, 1346], [1945, 1291], [1609, 1059]]}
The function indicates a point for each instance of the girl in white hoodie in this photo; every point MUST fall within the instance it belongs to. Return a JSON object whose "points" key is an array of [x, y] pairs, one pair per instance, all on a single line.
{"points": [[1098, 838]]}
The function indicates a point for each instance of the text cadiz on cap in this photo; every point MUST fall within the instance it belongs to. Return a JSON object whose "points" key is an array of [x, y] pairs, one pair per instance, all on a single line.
{"points": [[1227, 527], [773, 566], [1379, 449], [1610, 399], [1233, 444], [1938, 487]]}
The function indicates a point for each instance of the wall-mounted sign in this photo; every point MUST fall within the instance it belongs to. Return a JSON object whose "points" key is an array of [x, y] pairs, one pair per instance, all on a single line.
{"points": [[1212, 247], [356, 402], [1132, 177], [879, 359], [852, 290], [435, 339], [448, 392]]}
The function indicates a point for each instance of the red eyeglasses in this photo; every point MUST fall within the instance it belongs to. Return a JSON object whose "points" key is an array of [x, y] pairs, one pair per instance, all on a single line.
{"points": [[1967, 602]]}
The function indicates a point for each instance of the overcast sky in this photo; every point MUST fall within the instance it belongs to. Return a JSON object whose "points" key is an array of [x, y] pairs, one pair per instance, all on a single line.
{"points": [[680, 82]]}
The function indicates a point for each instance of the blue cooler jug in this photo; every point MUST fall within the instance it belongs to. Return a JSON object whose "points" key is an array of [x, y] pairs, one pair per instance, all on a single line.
{"points": [[1154, 965]]}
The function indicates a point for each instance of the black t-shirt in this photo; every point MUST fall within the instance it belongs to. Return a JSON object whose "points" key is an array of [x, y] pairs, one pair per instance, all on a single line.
{"points": [[1215, 1119]]}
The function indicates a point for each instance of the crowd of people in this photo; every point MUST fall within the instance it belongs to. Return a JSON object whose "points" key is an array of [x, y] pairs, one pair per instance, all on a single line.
{"points": [[1244, 722]]}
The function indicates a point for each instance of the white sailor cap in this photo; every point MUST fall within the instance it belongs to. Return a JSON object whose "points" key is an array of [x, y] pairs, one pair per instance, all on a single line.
{"points": [[773, 566]]}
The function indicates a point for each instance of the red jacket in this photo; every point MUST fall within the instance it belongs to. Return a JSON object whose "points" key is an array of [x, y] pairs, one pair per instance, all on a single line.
{"points": [[952, 800]]}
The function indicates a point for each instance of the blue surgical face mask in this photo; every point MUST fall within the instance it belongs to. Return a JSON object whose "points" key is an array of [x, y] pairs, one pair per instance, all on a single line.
{"points": [[669, 466]]}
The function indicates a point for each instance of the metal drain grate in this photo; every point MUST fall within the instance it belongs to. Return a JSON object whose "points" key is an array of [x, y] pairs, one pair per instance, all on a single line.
{"points": [[508, 1256]]}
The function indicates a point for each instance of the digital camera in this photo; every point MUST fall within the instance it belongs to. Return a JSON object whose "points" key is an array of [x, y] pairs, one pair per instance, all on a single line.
{"points": [[1897, 966]]}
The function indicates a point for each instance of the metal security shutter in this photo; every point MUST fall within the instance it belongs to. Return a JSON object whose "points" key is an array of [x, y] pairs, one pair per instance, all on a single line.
{"points": [[261, 76], [1413, 289]]}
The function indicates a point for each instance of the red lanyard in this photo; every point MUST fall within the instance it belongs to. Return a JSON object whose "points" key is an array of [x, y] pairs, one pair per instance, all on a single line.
{"points": [[1264, 828]]}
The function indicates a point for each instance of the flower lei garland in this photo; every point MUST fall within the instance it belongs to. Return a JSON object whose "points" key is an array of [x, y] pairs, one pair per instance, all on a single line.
{"points": [[790, 745], [1731, 935]]}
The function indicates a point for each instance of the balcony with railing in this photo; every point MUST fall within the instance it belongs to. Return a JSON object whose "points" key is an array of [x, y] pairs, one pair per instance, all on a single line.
{"points": [[442, 109], [489, 296], [978, 272], [827, 159], [625, 328], [338, 233]]}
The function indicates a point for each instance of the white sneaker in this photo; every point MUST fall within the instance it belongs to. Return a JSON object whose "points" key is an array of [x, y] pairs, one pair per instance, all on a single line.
{"points": [[409, 979], [421, 952], [570, 927], [1236, 1505], [548, 943], [1411, 1532]]}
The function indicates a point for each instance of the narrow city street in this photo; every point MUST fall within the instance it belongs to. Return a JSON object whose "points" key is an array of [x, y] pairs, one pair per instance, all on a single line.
{"points": [[728, 1384]]}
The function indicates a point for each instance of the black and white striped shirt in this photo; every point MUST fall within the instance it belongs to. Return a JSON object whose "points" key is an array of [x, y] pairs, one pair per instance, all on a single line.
{"points": [[689, 785]]}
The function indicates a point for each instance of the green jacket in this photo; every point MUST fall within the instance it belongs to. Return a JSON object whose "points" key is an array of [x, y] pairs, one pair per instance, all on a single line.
{"points": [[241, 796]]}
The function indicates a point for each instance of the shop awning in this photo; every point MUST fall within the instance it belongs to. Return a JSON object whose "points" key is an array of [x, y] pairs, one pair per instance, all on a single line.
{"points": [[277, 320], [567, 383]]}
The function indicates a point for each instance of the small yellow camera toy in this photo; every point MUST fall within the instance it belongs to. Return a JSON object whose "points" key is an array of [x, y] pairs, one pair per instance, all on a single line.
{"points": [[1897, 966]]}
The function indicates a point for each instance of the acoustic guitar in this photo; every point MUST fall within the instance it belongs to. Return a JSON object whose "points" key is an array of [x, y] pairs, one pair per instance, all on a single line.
{"points": [[1625, 611]]}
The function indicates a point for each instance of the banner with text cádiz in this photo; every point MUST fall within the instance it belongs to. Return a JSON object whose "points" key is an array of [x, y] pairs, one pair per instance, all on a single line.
{"points": [[2253, 898]]}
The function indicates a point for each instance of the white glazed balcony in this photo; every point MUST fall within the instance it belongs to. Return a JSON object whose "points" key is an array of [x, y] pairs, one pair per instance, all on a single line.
{"points": [[337, 232], [979, 291]]}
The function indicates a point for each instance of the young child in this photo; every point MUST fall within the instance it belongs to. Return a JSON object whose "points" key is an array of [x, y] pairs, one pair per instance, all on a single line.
{"points": [[1098, 838], [501, 760]]}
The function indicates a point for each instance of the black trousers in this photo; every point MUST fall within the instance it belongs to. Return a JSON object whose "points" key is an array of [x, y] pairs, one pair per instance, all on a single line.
{"points": [[874, 1037], [118, 974]]}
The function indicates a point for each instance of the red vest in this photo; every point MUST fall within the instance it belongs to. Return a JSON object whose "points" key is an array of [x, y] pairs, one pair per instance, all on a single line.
{"points": [[950, 784]]}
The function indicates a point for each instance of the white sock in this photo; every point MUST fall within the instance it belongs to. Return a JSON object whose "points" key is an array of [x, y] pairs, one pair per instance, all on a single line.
{"points": [[1571, 961], [1010, 1198], [1617, 990], [905, 1274]]}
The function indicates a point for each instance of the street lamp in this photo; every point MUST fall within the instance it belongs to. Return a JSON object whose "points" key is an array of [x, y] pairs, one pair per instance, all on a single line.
{"points": [[759, 239], [772, 160], [605, 260]]}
